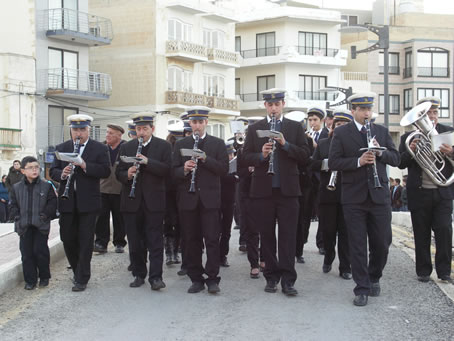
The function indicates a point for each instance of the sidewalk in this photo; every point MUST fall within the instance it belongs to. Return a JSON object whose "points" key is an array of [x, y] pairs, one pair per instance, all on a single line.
{"points": [[10, 258]]}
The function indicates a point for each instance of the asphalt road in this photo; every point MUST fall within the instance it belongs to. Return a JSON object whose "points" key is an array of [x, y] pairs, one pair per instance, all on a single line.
{"points": [[110, 310]]}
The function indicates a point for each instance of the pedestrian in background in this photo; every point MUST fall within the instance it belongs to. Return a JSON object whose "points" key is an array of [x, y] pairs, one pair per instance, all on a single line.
{"points": [[14, 175], [403, 196], [4, 198]]}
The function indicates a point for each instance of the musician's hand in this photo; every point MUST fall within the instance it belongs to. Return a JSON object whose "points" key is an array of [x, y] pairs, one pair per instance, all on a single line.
{"points": [[266, 149], [280, 140], [66, 171], [367, 158], [202, 158], [376, 144], [413, 145], [82, 165], [189, 166], [446, 149], [251, 169], [131, 171], [144, 160]]}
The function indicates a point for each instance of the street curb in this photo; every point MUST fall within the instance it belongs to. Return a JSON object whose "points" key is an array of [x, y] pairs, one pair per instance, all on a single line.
{"points": [[11, 272]]}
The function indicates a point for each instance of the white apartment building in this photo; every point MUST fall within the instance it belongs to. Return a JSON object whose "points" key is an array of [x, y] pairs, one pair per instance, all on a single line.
{"points": [[166, 57], [295, 48]]}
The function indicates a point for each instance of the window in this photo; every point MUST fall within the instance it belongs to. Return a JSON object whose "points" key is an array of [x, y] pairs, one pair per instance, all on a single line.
{"points": [[313, 44], [433, 62], [214, 85], [237, 86], [394, 104], [238, 44], [178, 30], [309, 86], [266, 44], [264, 83], [63, 19], [62, 73], [179, 79], [216, 129], [214, 39], [408, 64], [58, 131], [393, 59], [408, 100], [350, 20], [443, 94], [95, 132]]}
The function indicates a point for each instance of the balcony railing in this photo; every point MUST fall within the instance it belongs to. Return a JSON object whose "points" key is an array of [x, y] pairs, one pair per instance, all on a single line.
{"points": [[10, 139], [186, 47], [316, 96], [254, 97], [433, 72], [408, 72], [65, 19], [354, 76], [222, 56], [317, 51], [262, 52], [75, 80], [392, 70], [189, 98]]}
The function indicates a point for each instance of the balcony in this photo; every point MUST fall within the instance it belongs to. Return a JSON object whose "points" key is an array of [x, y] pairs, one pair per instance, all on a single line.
{"points": [[433, 72], [320, 52], [392, 70], [408, 72], [10, 139], [316, 96], [182, 99], [186, 51], [76, 84], [223, 58], [74, 26], [264, 52]]}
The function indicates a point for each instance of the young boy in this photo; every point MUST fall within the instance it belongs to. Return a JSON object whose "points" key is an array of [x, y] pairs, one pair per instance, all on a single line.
{"points": [[33, 206]]}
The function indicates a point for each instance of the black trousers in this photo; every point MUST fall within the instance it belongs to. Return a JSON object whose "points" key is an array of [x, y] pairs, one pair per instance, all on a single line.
{"points": [[171, 221], [110, 204], [242, 212], [145, 232], [368, 222], [434, 214], [226, 214], [35, 255], [251, 230], [201, 225], [77, 232], [332, 224], [4, 212], [285, 210]]}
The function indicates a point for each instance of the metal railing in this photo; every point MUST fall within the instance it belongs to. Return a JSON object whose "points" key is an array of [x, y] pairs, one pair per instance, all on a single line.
{"points": [[189, 98], [408, 72], [73, 79], [433, 72], [10, 139], [392, 70], [262, 52], [316, 96], [178, 46], [71, 20], [222, 56], [354, 76], [317, 51]]}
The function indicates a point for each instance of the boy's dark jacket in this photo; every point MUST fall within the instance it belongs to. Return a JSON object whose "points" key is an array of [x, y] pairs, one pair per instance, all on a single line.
{"points": [[43, 208]]}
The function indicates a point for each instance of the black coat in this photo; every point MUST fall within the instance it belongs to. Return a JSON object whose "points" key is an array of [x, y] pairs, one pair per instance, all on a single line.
{"points": [[414, 181], [357, 182], [298, 153], [150, 183], [208, 174], [96, 156]]}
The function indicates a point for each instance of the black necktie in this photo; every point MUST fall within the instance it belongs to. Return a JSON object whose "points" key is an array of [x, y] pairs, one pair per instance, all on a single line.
{"points": [[364, 134]]}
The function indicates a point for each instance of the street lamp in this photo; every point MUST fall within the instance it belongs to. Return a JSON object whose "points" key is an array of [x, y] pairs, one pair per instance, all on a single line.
{"points": [[347, 91], [383, 43]]}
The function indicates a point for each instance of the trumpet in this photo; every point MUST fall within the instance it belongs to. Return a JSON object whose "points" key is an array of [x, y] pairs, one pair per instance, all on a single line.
{"points": [[239, 138], [271, 162], [195, 147], [332, 181], [65, 195], [132, 193], [377, 183]]}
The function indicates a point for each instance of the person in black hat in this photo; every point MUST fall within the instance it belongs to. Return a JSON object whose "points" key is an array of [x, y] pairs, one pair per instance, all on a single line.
{"points": [[430, 205], [199, 208], [365, 196], [143, 209], [275, 197], [79, 212]]}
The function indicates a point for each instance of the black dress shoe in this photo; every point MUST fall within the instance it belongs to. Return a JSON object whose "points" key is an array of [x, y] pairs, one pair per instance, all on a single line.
{"points": [[289, 290], [196, 287], [130, 267], [321, 250], [175, 258], [182, 272], [237, 227], [138, 282], [360, 300], [326, 268], [79, 287], [242, 248], [29, 286], [375, 289], [157, 284], [256, 274], [44, 282], [271, 286], [346, 275], [99, 248], [119, 249], [300, 259], [424, 279], [169, 260], [213, 288], [446, 278], [224, 263]]}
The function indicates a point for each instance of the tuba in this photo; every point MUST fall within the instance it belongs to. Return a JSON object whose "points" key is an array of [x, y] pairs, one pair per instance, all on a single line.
{"points": [[432, 163]]}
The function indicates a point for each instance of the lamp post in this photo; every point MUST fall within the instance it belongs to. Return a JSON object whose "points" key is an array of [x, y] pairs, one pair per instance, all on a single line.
{"points": [[346, 91], [383, 43]]}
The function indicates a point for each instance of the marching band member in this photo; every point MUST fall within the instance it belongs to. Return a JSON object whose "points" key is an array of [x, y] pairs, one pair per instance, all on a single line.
{"points": [[430, 205], [365, 193], [331, 219], [132, 134], [199, 199], [81, 201], [276, 196], [143, 199]]}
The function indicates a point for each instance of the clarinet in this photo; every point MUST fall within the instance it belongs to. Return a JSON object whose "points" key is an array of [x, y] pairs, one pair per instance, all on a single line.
{"points": [[377, 183], [196, 144], [65, 195], [271, 162], [132, 193]]}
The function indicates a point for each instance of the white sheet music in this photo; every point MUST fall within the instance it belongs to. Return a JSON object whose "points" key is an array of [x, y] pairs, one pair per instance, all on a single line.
{"points": [[233, 164], [438, 140], [130, 159], [193, 153], [269, 133], [68, 157]]}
